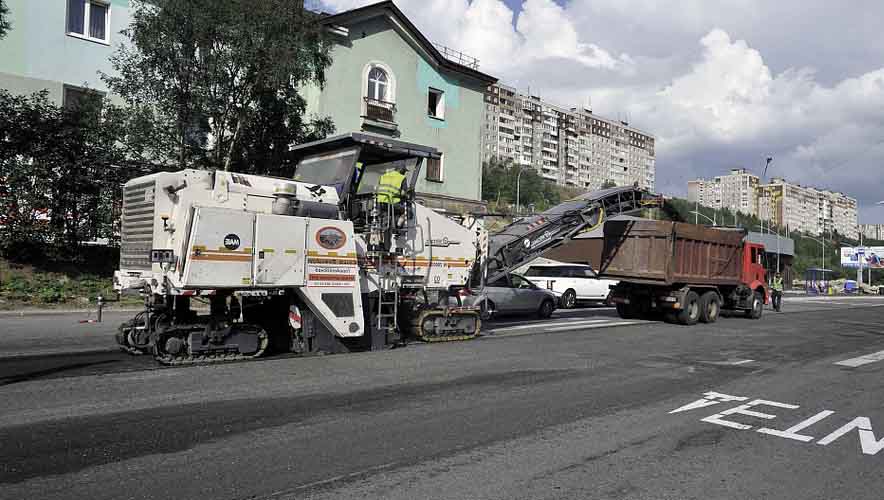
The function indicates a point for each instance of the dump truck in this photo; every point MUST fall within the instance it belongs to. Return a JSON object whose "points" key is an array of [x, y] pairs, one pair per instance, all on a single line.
{"points": [[318, 262], [686, 272]]}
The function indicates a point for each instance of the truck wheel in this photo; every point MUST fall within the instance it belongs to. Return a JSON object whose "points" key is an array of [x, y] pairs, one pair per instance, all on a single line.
{"points": [[710, 307], [569, 299], [626, 311], [690, 312], [546, 309], [757, 306]]}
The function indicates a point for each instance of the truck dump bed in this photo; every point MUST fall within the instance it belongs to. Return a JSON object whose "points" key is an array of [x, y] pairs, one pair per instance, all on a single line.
{"points": [[667, 253]]}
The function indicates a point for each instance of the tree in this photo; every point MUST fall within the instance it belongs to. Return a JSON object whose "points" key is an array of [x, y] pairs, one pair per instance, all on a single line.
{"points": [[499, 186], [216, 83], [5, 25], [59, 172], [609, 184]]}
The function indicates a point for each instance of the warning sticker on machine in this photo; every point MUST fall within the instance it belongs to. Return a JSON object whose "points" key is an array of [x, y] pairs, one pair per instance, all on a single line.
{"points": [[322, 274]]}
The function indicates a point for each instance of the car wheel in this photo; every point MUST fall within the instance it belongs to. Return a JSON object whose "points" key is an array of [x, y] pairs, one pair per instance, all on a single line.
{"points": [[690, 310], [546, 309], [569, 299], [486, 312], [710, 307]]}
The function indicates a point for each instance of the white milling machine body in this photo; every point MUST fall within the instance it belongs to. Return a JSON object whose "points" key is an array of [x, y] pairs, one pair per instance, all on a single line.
{"points": [[310, 264]]}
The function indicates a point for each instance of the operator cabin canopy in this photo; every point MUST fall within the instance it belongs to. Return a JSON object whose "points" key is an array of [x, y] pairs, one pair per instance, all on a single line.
{"points": [[387, 78]]}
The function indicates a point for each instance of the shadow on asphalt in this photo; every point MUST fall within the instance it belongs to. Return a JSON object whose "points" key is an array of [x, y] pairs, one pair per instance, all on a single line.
{"points": [[34, 375], [28, 368]]}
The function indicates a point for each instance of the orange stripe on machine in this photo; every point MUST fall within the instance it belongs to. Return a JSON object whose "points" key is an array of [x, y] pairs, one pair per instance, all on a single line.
{"points": [[221, 257]]}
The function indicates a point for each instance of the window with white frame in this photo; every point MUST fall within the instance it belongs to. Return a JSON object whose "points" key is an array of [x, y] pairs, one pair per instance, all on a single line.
{"points": [[434, 169], [436, 103], [378, 84], [89, 19]]}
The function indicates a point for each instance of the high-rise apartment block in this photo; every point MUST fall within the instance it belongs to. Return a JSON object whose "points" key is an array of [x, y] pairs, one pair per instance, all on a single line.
{"points": [[800, 208], [571, 147], [735, 191], [872, 231], [808, 209]]}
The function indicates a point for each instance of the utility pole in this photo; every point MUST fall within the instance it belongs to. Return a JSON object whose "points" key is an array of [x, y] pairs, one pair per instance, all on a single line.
{"points": [[778, 248], [860, 258]]}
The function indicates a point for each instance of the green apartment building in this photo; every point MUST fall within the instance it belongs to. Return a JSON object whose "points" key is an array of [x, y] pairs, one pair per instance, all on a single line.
{"points": [[387, 78], [60, 45]]}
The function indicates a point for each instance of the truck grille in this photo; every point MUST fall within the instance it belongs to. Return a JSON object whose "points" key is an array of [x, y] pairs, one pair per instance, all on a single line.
{"points": [[137, 226]]}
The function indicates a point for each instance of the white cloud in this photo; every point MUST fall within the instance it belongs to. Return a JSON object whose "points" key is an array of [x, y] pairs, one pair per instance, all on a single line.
{"points": [[490, 31], [720, 84]]}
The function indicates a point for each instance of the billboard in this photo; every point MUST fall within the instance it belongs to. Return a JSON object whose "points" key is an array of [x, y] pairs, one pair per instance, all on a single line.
{"points": [[872, 257]]}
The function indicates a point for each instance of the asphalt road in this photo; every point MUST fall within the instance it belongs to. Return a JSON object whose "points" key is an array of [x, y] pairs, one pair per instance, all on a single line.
{"points": [[582, 406]]}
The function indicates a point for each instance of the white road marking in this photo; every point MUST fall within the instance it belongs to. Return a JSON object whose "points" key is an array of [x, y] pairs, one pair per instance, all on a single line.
{"points": [[792, 432], [862, 360], [543, 325], [576, 326], [606, 324], [742, 362], [708, 399], [869, 443]]}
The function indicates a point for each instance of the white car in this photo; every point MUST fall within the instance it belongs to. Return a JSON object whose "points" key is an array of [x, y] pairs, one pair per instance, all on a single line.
{"points": [[572, 283]]}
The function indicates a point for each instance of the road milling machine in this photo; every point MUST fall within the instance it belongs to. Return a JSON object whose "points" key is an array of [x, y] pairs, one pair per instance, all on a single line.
{"points": [[319, 262]]}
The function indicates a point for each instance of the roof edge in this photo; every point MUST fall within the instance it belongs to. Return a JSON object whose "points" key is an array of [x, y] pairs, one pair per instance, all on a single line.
{"points": [[425, 43]]}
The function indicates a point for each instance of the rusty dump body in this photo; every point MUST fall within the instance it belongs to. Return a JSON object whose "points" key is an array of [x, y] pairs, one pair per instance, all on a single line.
{"points": [[671, 253]]}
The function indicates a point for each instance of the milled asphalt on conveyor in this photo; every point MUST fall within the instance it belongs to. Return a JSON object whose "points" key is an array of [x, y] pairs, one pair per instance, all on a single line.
{"points": [[569, 414]]}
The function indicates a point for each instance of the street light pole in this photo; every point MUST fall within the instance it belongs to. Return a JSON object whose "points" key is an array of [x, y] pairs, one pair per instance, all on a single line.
{"points": [[822, 250], [763, 176], [518, 179], [698, 214]]}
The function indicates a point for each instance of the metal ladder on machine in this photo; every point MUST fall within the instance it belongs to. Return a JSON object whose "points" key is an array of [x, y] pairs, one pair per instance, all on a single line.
{"points": [[388, 283]]}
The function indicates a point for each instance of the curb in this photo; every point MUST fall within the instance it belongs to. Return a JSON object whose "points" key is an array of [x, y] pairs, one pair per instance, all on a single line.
{"points": [[51, 312]]}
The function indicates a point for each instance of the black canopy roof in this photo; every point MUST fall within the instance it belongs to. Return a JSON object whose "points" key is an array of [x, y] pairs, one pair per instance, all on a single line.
{"points": [[375, 148]]}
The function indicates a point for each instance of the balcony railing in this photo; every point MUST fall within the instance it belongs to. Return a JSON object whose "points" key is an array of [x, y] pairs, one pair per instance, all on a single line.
{"points": [[457, 56], [381, 111]]}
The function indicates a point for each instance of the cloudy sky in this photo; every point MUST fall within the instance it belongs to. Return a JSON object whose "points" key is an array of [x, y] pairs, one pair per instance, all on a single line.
{"points": [[720, 83]]}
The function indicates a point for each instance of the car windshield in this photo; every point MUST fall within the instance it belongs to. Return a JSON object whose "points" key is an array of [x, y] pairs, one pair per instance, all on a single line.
{"points": [[370, 175], [520, 282]]}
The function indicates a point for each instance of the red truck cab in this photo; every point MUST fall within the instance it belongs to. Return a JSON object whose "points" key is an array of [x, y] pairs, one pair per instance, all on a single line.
{"points": [[753, 273]]}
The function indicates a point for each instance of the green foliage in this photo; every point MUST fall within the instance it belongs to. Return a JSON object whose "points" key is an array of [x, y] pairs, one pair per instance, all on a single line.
{"points": [[24, 285], [499, 188], [215, 83], [59, 172], [5, 25], [609, 184]]}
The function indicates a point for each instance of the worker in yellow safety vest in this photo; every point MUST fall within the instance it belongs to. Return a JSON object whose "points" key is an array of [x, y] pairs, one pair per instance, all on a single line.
{"points": [[391, 185], [776, 286]]}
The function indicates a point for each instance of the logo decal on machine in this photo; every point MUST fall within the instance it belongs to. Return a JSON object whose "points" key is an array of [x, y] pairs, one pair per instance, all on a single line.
{"points": [[231, 241], [331, 238]]}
